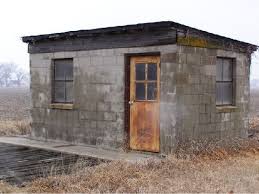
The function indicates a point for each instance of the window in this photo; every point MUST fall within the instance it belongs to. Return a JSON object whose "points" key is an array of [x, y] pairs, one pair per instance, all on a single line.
{"points": [[224, 81], [63, 81], [146, 81]]}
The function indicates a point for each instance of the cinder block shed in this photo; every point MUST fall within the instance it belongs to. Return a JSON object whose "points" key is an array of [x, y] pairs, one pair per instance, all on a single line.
{"points": [[138, 87]]}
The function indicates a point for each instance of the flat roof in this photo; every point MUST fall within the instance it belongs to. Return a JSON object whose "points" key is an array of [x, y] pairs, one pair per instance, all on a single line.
{"points": [[141, 27]]}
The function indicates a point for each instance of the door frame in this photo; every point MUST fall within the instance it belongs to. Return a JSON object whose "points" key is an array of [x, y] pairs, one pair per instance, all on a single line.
{"points": [[126, 146]]}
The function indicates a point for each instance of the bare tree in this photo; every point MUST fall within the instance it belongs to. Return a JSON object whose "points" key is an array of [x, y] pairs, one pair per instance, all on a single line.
{"points": [[21, 77], [6, 71], [11, 75]]}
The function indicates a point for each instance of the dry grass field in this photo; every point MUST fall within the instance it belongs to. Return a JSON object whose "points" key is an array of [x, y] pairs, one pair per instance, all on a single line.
{"points": [[14, 111], [221, 170], [254, 103], [254, 111], [209, 168]]}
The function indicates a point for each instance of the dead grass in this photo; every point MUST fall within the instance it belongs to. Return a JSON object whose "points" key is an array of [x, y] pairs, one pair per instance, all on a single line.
{"points": [[254, 103], [205, 166], [6, 188], [216, 149], [208, 170], [9, 127], [14, 111], [254, 123], [168, 175], [14, 104]]}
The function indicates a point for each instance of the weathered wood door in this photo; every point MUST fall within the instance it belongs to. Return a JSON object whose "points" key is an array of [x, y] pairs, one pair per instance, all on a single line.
{"points": [[144, 103]]}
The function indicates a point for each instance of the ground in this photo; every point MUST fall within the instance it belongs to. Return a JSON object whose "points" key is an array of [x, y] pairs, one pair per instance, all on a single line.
{"points": [[234, 169], [14, 111], [226, 172], [254, 103]]}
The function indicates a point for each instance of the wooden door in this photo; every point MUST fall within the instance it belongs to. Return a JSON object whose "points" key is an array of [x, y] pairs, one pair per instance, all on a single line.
{"points": [[144, 103]]}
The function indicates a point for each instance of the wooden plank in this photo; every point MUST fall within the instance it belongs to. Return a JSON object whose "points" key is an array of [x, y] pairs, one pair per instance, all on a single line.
{"points": [[19, 164], [108, 41]]}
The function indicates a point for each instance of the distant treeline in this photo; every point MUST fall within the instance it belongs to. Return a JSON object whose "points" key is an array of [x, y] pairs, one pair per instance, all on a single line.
{"points": [[11, 75]]}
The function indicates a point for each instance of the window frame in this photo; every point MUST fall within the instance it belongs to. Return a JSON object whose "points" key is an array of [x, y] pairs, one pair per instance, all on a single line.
{"points": [[232, 81], [146, 81], [54, 81]]}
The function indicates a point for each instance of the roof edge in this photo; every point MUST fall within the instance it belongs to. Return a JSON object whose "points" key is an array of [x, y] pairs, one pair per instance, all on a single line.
{"points": [[144, 27]]}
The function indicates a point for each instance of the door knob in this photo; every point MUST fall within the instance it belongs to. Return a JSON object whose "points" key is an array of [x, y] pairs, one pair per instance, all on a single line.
{"points": [[131, 102]]}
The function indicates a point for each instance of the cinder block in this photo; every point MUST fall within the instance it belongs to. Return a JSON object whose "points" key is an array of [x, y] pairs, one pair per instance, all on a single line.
{"points": [[182, 58], [103, 106], [194, 79], [117, 107], [191, 99], [106, 52], [87, 105], [120, 60], [38, 62], [110, 61], [194, 59], [83, 63], [223, 126], [169, 58], [82, 54], [87, 115], [181, 78], [59, 55], [96, 60], [114, 97], [186, 49], [224, 53], [121, 51], [109, 116], [209, 70], [226, 117], [202, 108], [204, 118]]}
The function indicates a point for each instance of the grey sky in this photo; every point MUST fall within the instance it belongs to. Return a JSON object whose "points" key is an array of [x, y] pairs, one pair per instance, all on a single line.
{"points": [[237, 19]]}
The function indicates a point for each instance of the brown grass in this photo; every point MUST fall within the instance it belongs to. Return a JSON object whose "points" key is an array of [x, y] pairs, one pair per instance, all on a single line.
{"points": [[254, 123], [14, 111], [9, 128], [6, 188], [208, 170], [254, 103], [205, 166]]}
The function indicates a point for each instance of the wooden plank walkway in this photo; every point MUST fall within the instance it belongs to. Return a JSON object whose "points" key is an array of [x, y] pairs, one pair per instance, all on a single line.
{"points": [[19, 164], [81, 150]]}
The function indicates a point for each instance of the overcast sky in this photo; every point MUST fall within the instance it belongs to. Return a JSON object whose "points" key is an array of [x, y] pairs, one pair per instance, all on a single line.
{"points": [[238, 19]]}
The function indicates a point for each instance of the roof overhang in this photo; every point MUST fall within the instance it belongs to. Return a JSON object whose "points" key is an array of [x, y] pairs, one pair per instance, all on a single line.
{"points": [[137, 28]]}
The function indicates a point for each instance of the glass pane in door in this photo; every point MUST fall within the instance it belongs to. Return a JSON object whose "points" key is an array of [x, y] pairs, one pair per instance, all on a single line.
{"points": [[140, 91], [140, 71]]}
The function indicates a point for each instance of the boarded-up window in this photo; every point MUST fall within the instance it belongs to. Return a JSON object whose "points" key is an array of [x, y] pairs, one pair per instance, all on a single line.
{"points": [[224, 81], [63, 81]]}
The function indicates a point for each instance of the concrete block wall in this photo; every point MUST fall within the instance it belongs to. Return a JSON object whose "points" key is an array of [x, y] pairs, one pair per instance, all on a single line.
{"points": [[98, 114], [168, 104], [195, 88], [187, 108]]}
